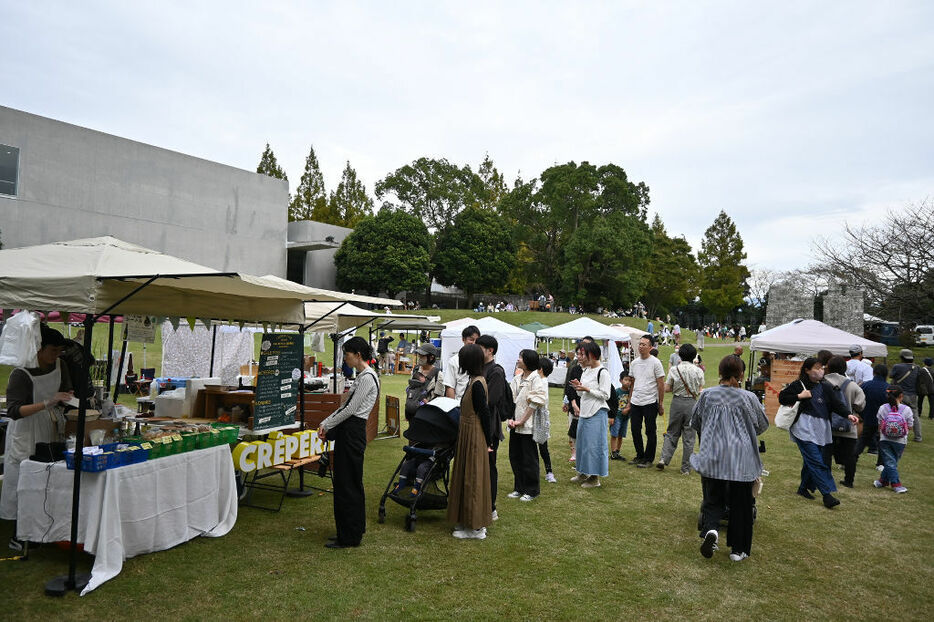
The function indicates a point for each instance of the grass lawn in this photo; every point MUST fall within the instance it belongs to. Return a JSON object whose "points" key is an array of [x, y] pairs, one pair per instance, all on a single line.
{"points": [[627, 550]]}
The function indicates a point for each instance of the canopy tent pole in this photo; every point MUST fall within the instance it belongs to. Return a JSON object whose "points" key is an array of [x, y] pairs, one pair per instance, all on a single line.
{"points": [[120, 364], [58, 586], [110, 356], [302, 491], [213, 346]]}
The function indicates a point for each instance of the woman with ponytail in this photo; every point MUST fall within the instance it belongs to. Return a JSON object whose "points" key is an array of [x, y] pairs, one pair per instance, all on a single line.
{"points": [[811, 431], [347, 428]]}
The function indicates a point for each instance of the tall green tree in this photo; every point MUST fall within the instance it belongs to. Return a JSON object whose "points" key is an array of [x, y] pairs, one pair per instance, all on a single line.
{"points": [[476, 253], [723, 273], [549, 211], [604, 262], [388, 252], [349, 204], [310, 197], [268, 165], [672, 271], [491, 185], [433, 190]]}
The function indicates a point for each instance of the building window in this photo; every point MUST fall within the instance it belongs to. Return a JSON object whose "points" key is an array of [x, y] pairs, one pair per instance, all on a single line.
{"points": [[9, 169]]}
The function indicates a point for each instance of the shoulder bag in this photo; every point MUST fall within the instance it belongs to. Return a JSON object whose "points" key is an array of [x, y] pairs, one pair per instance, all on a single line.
{"points": [[787, 415]]}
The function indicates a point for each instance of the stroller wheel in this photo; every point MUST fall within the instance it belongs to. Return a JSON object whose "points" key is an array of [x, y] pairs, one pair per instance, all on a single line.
{"points": [[409, 522], [381, 517]]}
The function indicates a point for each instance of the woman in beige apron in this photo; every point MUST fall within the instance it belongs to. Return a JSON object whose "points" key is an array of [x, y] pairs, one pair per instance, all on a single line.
{"points": [[37, 421]]}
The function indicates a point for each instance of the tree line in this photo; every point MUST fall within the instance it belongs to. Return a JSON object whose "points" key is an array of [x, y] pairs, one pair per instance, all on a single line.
{"points": [[578, 231]]}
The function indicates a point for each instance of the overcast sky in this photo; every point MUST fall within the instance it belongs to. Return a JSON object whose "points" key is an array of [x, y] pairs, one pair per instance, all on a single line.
{"points": [[791, 116]]}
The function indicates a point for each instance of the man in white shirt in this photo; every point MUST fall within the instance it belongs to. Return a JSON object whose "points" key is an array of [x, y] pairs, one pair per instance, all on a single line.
{"points": [[858, 370], [455, 381], [647, 401]]}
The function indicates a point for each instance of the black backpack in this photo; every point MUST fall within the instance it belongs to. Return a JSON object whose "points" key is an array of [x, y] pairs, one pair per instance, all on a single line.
{"points": [[506, 408], [613, 401]]}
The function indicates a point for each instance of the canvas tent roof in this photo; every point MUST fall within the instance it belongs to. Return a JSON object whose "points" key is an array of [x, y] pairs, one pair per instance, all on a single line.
{"points": [[95, 275], [808, 336], [634, 333], [403, 322], [583, 327], [512, 339], [333, 317], [533, 327]]}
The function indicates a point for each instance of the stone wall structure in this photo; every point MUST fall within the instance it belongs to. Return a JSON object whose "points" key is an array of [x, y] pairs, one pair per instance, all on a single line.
{"points": [[843, 308], [788, 301]]}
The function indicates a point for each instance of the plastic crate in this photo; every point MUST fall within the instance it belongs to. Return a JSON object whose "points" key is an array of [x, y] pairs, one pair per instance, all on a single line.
{"points": [[189, 442], [229, 433], [94, 463]]}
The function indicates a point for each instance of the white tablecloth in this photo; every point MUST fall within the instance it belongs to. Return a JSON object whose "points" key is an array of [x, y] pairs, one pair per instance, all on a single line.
{"points": [[124, 512]]}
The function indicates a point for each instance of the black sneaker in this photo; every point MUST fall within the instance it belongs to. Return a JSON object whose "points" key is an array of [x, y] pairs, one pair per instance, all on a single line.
{"points": [[805, 494], [843, 482], [636, 461], [710, 544], [644, 464], [830, 501], [615, 456]]}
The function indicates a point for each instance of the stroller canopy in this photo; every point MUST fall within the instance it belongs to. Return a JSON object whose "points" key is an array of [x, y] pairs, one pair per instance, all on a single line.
{"points": [[433, 426]]}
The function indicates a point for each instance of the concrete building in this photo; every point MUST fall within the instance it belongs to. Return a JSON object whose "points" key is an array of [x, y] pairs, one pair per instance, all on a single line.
{"points": [[61, 182], [787, 302]]}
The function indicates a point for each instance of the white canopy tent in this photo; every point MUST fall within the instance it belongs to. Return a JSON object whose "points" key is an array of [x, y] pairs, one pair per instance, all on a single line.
{"points": [[584, 327], [511, 339], [634, 333], [105, 275], [587, 327], [809, 336]]}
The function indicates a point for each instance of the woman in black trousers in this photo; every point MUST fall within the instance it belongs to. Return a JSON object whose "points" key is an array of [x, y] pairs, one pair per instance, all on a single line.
{"points": [[347, 428]]}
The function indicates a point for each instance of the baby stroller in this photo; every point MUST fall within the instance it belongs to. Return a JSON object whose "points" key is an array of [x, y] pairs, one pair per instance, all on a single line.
{"points": [[432, 434]]}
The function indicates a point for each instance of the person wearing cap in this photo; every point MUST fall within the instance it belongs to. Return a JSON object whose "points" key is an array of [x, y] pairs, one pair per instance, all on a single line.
{"points": [[33, 398], [425, 383], [926, 387], [906, 375], [858, 370]]}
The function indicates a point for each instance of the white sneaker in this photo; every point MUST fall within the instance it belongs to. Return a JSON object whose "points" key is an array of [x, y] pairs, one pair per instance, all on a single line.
{"points": [[900, 489], [550, 477], [514, 494], [878, 484], [495, 515], [880, 468], [16, 545], [471, 534], [526, 498], [591, 482], [710, 543], [577, 479], [738, 557]]}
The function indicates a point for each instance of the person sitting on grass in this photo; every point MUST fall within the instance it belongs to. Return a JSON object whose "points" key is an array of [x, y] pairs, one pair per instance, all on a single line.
{"points": [[620, 421]]}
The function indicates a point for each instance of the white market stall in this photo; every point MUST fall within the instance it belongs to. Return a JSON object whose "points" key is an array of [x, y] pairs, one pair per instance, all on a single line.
{"points": [[511, 339], [809, 336], [106, 276], [802, 337], [587, 327]]}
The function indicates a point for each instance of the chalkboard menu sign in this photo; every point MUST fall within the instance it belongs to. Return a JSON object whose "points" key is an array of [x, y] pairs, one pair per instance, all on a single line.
{"points": [[280, 371]]}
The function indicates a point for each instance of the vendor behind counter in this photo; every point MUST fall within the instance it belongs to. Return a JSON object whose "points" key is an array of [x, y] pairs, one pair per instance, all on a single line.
{"points": [[33, 396]]}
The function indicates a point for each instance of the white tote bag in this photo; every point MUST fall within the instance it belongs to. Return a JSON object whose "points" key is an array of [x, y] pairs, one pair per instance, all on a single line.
{"points": [[787, 415]]}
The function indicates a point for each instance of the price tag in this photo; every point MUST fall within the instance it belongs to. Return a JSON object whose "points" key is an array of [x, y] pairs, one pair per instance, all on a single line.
{"points": [[146, 445], [177, 438]]}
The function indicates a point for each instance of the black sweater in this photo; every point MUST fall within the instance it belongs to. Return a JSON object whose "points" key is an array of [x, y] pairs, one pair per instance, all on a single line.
{"points": [[482, 409], [833, 403]]}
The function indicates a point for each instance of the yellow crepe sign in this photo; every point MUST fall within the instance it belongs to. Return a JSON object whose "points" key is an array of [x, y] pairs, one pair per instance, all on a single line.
{"points": [[278, 448]]}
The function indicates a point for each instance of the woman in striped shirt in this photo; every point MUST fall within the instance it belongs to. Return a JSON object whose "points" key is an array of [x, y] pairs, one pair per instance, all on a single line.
{"points": [[728, 461], [347, 428]]}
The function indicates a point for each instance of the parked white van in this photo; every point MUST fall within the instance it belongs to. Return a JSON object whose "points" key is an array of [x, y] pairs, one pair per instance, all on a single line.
{"points": [[924, 334]]}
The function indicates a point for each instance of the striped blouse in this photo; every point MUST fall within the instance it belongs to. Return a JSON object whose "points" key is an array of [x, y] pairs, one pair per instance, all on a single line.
{"points": [[728, 420], [363, 395]]}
